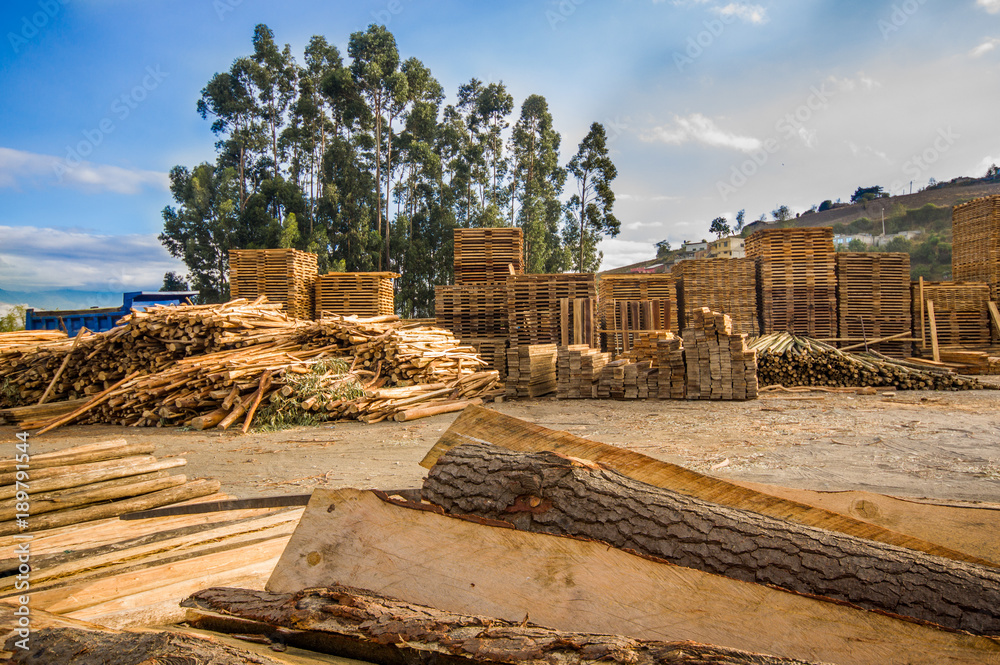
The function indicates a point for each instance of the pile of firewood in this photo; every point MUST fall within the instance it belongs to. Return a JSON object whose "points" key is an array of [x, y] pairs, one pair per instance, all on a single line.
{"points": [[790, 360], [29, 337]]}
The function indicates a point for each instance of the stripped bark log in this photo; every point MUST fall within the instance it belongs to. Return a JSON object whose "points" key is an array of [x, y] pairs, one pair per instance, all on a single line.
{"points": [[362, 624], [550, 493]]}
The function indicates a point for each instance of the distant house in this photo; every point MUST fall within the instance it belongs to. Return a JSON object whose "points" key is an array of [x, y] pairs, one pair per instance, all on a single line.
{"points": [[694, 247], [727, 248], [847, 238]]}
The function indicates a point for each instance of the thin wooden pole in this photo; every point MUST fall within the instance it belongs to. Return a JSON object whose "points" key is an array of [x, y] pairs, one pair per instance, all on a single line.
{"points": [[934, 338], [62, 367]]}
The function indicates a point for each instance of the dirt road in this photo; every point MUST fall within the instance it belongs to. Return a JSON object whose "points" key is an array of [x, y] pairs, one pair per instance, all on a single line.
{"points": [[943, 445]]}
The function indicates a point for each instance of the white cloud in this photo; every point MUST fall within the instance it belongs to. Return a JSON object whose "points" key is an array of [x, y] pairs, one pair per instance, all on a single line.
{"points": [[619, 252], [33, 258], [755, 14], [19, 168], [985, 47], [991, 6], [808, 137], [697, 127]]}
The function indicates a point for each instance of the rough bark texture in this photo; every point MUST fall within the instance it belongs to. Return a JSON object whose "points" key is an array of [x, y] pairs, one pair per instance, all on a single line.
{"points": [[362, 624], [87, 647], [550, 493]]}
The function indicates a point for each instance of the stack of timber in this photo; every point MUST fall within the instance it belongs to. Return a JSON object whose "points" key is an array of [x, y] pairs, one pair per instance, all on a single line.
{"points": [[30, 338], [874, 300], [579, 368], [86, 563], [788, 360], [364, 294], [956, 313], [796, 280], [975, 249], [578, 321], [719, 364], [477, 314], [488, 255], [645, 346], [672, 379], [634, 287], [634, 318], [722, 285], [493, 352], [531, 370], [533, 309], [282, 275]]}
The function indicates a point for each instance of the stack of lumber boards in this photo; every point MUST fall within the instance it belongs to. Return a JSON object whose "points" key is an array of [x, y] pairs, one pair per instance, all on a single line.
{"points": [[531, 370], [719, 364], [634, 318], [961, 312], [492, 351], [975, 248], [578, 321], [282, 275], [472, 311], [488, 255], [722, 285], [30, 338], [788, 360], [672, 379], [634, 287], [874, 299], [646, 344], [533, 309], [579, 368], [88, 564], [363, 294], [796, 280], [625, 379]]}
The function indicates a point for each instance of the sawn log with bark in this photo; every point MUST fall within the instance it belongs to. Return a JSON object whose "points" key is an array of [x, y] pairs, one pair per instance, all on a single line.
{"points": [[550, 493], [362, 624]]}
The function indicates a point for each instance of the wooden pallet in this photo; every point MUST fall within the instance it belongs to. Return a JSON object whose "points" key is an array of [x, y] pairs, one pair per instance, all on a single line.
{"points": [[874, 299], [533, 310], [531, 370], [579, 368], [472, 310], [359, 293], [960, 312], [796, 280], [975, 248], [488, 255], [722, 285], [282, 275]]}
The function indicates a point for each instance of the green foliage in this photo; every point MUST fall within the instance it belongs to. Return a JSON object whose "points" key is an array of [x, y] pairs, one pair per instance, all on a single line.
{"points": [[826, 205], [720, 227], [174, 282], [781, 213], [13, 319], [662, 249], [330, 379], [740, 220], [862, 194], [588, 213]]}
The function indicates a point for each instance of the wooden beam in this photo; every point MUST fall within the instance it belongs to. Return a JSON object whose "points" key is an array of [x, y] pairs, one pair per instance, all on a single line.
{"points": [[470, 567], [872, 342], [994, 316], [934, 338]]}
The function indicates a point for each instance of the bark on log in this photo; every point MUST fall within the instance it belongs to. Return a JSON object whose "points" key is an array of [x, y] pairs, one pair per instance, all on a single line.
{"points": [[362, 624], [550, 493], [90, 647]]}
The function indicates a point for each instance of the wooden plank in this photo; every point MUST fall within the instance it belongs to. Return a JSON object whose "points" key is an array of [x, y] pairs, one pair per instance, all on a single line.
{"points": [[481, 425], [994, 316], [923, 300], [354, 538], [934, 338]]}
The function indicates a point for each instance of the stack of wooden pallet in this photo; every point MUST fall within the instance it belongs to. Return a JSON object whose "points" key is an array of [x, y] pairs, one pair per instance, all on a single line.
{"points": [[722, 285], [656, 287], [283, 275], [873, 299], [975, 249], [579, 368], [531, 370], [960, 312], [472, 311], [87, 564], [533, 305], [719, 365], [363, 294], [796, 280], [672, 379], [488, 255]]}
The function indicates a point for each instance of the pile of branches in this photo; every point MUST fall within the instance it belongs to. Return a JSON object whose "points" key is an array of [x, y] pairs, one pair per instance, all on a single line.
{"points": [[789, 360], [215, 366]]}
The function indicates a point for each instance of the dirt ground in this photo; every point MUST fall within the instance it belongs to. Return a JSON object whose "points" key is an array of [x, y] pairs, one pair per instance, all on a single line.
{"points": [[943, 445]]}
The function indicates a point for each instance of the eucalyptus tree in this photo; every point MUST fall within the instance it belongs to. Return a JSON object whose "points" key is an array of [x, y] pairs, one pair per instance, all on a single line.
{"points": [[589, 211]]}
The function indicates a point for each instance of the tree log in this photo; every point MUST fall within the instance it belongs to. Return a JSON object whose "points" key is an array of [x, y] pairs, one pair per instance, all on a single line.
{"points": [[362, 624], [550, 493], [434, 409], [91, 647]]}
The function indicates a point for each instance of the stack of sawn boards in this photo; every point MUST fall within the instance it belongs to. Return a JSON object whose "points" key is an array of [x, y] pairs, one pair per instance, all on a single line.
{"points": [[645, 287], [364, 294], [723, 285], [960, 312], [282, 275], [873, 297], [975, 249]]}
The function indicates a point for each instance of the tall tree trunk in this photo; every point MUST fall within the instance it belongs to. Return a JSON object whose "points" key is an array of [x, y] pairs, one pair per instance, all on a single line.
{"points": [[388, 190], [554, 494]]}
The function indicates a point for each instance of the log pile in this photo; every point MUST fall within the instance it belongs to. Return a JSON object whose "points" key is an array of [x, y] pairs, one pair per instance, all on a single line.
{"points": [[873, 299], [722, 285], [488, 255], [533, 309], [30, 338], [960, 311], [281, 275], [364, 294], [789, 360], [579, 368], [975, 249], [719, 364], [796, 280], [531, 370]]}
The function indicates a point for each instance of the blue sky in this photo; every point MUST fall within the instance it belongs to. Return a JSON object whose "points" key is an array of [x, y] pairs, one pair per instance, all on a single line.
{"points": [[712, 105]]}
